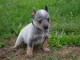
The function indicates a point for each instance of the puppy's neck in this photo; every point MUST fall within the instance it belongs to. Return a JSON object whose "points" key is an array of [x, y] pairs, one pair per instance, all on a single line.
{"points": [[38, 30]]}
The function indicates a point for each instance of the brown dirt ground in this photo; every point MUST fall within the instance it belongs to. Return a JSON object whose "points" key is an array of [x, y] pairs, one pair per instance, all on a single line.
{"points": [[64, 53]]}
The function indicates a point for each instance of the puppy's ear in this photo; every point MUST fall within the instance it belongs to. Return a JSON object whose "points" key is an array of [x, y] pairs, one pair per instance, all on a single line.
{"points": [[33, 13], [46, 8]]}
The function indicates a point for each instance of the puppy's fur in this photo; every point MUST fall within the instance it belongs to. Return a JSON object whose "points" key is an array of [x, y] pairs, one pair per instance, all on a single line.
{"points": [[35, 32]]}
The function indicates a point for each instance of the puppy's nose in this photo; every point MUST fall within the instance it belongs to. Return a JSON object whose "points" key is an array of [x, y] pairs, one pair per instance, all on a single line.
{"points": [[45, 27]]}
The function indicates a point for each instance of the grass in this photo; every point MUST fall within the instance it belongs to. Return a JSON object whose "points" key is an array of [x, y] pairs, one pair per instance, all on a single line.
{"points": [[59, 40], [47, 57], [65, 19], [2, 43]]}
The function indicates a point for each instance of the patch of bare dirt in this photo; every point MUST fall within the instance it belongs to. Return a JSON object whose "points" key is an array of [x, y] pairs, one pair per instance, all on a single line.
{"points": [[65, 53], [69, 53]]}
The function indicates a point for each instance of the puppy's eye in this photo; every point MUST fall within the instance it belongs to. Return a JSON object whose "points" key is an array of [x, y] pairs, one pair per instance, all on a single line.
{"points": [[40, 21]]}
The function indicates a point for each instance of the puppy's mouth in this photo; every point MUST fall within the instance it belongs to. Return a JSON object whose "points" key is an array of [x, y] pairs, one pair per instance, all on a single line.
{"points": [[45, 30], [42, 29]]}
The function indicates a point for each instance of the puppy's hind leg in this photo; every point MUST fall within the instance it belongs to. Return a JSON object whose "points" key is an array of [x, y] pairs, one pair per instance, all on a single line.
{"points": [[18, 42]]}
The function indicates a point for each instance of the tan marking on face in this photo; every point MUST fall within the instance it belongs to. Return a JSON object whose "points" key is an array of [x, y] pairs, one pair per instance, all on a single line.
{"points": [[40, 26]]}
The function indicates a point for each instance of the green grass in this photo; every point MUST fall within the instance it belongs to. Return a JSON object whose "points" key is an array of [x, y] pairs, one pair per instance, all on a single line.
{"points": [[64, 21], [2, 43], [59, 40]]}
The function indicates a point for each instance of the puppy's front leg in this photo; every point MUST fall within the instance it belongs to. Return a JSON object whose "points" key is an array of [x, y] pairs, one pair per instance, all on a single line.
{"points": [[30, 48], [45, 48]]}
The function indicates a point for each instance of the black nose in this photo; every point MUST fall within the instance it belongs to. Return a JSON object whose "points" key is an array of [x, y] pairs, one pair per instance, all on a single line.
{"points": [[45, 27]]}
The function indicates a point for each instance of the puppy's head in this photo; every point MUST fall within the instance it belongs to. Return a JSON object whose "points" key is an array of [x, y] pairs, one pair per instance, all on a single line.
{"points": [[41, 18]]}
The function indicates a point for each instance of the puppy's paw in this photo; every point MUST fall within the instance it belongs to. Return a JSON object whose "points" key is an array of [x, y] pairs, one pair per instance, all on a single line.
{"points": [[13, 48], [29, 55], [46, 49]]}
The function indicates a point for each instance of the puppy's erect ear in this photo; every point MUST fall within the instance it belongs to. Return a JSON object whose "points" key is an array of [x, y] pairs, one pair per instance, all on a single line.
{"points": [[33, 13], [46, 8]]}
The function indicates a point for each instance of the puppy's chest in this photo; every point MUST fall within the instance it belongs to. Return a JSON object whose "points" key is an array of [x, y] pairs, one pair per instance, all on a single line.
{"points": [[39, 38]]}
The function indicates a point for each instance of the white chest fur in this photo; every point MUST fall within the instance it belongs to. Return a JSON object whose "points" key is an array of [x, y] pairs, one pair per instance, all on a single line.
{"points": [[40, 38]]}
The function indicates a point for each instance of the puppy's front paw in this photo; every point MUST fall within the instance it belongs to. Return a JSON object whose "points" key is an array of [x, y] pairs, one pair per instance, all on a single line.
{"points": [[29, 55], [29, 52], [46, 49]]}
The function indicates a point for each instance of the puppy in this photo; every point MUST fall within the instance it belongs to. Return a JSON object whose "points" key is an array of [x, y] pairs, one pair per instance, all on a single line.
{"points": [[35, 32]]}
